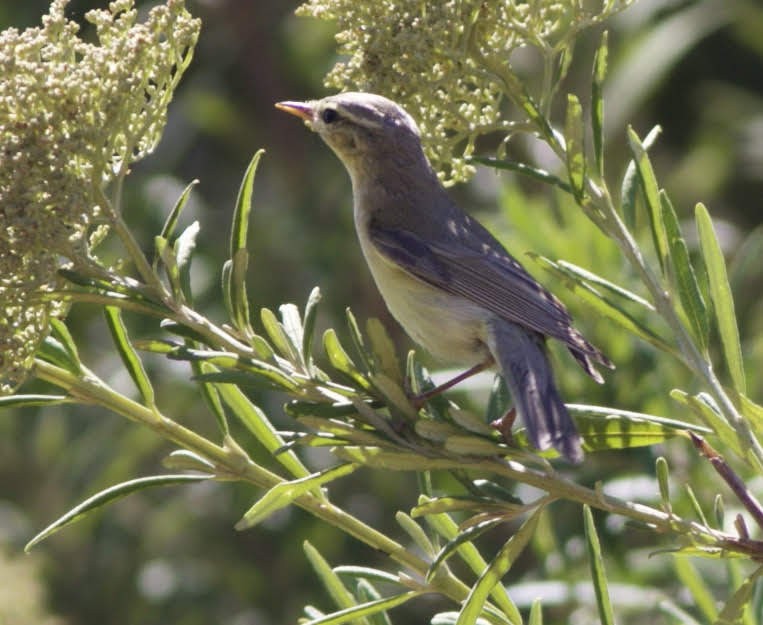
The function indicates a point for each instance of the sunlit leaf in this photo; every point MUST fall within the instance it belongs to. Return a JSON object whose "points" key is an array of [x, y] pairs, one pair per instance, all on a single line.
{"points": [[650, 190], [597, 102], [575, 149], [498, 567], [720, 293], [598, 573], [129, 356], [109, 495]]}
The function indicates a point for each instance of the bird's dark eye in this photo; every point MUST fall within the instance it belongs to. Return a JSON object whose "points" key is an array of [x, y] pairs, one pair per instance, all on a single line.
{"points": [[329, 116]]}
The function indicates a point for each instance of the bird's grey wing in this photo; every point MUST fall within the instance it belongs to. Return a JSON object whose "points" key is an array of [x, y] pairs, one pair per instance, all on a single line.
{"points": [[490, 278]]}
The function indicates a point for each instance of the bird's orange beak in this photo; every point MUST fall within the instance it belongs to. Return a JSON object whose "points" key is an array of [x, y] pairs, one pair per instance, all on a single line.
{"points": [[302, 110]]}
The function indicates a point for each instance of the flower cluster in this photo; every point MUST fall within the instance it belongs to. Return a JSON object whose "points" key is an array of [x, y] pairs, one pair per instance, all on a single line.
{"points": [[449, 63], [73, 116]]}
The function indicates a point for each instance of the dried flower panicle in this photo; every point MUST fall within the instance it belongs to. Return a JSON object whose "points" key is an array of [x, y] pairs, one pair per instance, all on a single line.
{"points": [[73, 116], [449, 62]]}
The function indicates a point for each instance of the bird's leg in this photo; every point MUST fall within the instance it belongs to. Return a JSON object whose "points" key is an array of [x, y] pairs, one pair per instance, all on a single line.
{"points": [[419, 400], [504, 425]]}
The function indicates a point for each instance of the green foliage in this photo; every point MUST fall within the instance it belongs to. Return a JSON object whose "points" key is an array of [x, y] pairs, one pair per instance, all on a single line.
{"points": [[475, 522]]}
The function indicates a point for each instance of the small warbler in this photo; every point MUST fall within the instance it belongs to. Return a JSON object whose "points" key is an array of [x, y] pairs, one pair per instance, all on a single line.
{"points": [[451, 285]]}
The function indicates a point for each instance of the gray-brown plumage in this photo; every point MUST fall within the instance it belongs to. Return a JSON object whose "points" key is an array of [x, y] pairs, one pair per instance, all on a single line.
{"points": [[445, 278]]}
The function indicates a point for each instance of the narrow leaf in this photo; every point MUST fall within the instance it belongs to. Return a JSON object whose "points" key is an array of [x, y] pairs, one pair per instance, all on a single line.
{"points": [[308, 332], [168, 230], [260, 426], [692, 581], [597, 102], [184, 248], [210, 393], [383, 350], [129, 356], [332, 583], [683, 276], [240, 226], [18, 401], [598, 573], [292, 326], [278, 336], [363, 610], [239, 299], [60, 332], [417, 534], [575, 149], [663, 473], [495, 571], [604, 428], [734, 609], [284, 494], [527, 170], [107, 496], [720, 294], [341, 361], [648, 182]]}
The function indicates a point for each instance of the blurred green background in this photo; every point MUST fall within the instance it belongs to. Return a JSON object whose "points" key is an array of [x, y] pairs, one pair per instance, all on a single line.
{"points": [[172, 556]]}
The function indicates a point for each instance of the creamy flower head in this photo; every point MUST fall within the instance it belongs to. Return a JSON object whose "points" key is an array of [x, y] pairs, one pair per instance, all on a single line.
{"points": [[73, 116], [449, 63]]}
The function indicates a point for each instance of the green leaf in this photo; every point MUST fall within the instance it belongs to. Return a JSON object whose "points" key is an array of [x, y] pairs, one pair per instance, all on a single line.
{"points": [[527, 170], [597, 102], [415, 531], [18, 401], [168, 230], [332, 583], [284, 494], [363, 610], [107, 496], [60, 332], [495, 571], [240, 225], [341, 361], [598, 574], [278, 336], [734, 609], [692, 581], [444, 525], [292, 326], [210, 393], [720, 295], [367, 573], [708, 412], [536, 613], [608, 428], [463, 537], [239, 299], [383, 350], [629, 196], [663, 473], [54, 351], [308, 331], [683, 276], [184, 247], [575, 149], [257, 422], [607, 307], [167, 255], [129, 356], [649, 188]]}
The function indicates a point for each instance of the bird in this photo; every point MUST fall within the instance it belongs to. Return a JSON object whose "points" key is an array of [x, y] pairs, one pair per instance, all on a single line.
{"points": [[444, 277]]}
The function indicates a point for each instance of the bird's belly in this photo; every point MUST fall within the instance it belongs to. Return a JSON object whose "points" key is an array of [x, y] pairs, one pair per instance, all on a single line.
{"points": [[451, 328]]}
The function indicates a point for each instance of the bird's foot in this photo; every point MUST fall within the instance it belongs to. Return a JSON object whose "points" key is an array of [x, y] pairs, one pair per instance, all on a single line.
{"points": [[504, 425]]}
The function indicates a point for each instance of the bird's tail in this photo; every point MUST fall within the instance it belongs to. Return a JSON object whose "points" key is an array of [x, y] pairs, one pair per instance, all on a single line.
{"points": [[522, 358]]}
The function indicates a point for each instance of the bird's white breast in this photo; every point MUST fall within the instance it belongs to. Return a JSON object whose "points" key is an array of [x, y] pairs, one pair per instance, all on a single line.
{"points": [[451, 328]]}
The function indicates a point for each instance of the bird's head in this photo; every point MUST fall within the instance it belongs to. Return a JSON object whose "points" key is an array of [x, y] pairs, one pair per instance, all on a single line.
{"points": [[362, 129]]}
